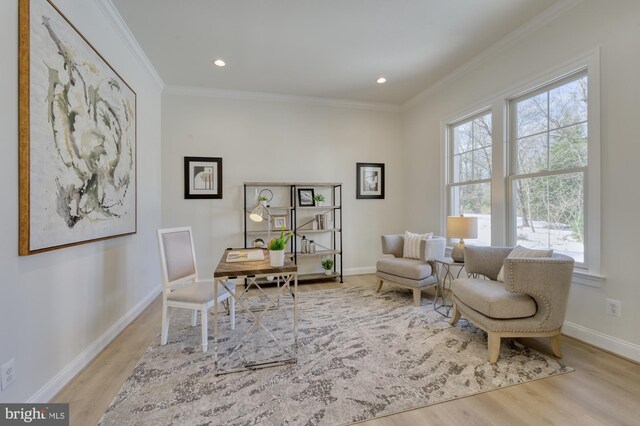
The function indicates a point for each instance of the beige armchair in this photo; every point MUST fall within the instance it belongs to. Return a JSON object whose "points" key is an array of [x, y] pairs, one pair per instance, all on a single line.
{"points": [[530, 303], [414, 274]]}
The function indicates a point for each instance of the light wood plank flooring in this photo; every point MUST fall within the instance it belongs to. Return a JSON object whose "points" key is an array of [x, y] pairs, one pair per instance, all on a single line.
{"points": [[604, 389]]}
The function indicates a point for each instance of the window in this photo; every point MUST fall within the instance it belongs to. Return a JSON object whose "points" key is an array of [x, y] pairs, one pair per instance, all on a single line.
{"points": [[548, 166], [469, 177]]}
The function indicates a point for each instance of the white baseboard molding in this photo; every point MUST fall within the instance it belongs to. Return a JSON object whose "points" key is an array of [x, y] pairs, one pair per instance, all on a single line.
{"points": [[360, 271], [609, 343], [49, 390]]}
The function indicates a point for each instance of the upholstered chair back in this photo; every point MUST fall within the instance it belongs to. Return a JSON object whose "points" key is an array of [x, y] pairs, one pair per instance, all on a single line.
{"points": [[485, 261], [177, 254]]}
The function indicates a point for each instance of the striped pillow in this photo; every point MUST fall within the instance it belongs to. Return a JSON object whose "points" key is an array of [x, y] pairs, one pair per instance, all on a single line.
{"points": [[521, 252], [411, 248]]}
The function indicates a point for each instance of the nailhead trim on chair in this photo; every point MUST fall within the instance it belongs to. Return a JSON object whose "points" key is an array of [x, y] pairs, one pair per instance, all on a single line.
{"points": [[546, 301]]}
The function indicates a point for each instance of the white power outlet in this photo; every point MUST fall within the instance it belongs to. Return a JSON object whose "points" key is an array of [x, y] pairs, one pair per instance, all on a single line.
{"points": [[614, 307], [8, 374]]}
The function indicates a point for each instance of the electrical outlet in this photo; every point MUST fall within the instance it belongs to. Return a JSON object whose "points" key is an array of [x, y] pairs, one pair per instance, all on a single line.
{"points": [[614, 307], [8, 374]]}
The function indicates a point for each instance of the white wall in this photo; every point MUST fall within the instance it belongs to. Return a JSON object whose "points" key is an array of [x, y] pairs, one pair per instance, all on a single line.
{"points": [[613, 26], [55, 305], [265, 140]]}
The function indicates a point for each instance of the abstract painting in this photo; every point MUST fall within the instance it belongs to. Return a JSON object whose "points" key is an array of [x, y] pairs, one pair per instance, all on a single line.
{"points": [[77, 137], [202, 177], [370, 180]]}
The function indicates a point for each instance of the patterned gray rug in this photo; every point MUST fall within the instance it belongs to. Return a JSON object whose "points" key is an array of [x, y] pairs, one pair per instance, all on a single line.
{"points": [[361, 355]]}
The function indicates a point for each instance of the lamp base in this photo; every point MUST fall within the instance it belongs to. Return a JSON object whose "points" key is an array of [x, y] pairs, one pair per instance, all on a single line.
{"points": [[457, 253]]}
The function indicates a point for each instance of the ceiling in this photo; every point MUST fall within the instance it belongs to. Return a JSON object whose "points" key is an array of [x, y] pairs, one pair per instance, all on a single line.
{"points": [[320, 48]]}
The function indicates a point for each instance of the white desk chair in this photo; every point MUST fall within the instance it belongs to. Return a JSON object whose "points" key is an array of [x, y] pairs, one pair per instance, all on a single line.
{"points": [[182, 287]]}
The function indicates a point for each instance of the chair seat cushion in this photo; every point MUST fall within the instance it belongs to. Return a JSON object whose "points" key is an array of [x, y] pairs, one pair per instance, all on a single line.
{"points": [[200, 292], [492, 300], [413, 269]]}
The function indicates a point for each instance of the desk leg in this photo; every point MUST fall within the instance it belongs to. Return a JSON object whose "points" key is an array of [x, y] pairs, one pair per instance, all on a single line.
{"points": [[215, 326], [295, 312]]}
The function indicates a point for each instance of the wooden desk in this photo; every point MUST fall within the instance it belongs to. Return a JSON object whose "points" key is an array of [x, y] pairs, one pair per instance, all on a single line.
{"points": [[251, 271]]}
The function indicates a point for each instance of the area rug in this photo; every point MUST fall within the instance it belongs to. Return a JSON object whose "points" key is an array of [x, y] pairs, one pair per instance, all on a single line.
{"points": [[361, 355]]}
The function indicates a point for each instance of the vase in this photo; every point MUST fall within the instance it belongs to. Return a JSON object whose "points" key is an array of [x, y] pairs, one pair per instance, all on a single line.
{"points": [[328, 271], [277, 257]]}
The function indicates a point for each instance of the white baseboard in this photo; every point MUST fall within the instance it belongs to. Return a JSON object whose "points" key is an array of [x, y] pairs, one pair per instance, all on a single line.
{"points": [[360, 271], [609, 343], [49, 390]]}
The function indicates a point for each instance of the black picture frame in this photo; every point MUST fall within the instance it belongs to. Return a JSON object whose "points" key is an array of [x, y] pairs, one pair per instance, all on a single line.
{"points": [[306, 202], [365, 189], [211, 185]]}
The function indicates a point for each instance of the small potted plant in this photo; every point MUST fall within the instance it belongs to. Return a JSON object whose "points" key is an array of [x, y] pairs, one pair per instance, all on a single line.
{"points": [[277, 246], [319, 199], [327, 265], [263, 200]]}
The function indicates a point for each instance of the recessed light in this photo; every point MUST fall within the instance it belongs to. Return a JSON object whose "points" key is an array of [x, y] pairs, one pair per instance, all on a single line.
{"points": [[219, 62], [381, 80]]}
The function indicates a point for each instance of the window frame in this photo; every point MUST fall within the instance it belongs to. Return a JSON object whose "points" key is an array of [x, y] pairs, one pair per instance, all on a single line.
{"points": [[497, 102], [512, 158], [449, 174]]}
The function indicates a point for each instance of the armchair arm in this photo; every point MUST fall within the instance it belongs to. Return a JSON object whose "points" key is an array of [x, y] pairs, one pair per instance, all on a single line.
{"points": [[432, 248], [393, 244], [547, 280]]}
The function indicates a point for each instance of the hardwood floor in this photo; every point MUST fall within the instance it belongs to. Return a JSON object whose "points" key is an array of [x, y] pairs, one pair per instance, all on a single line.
{"points": [[604, 389]]}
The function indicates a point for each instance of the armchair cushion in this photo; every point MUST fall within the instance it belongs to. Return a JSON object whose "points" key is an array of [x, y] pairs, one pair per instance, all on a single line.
{"points": [[412, 243], [406, 268], [491, 299]]}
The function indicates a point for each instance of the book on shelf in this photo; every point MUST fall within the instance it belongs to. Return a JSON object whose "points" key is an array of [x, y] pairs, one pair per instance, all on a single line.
{"points": [[245, 256]]}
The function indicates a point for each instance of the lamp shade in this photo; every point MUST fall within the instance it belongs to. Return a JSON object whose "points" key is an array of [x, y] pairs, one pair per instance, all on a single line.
{"points": [[462, 227], [259, 213]]}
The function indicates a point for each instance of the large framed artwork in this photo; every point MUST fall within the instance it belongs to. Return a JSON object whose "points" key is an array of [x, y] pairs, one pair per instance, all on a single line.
{"points": [[202, 177], [370, 181], [77, 121]]}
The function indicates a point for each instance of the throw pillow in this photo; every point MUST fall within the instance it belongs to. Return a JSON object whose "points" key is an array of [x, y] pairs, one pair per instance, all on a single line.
{"points": [[411, 249], [520, 252]]}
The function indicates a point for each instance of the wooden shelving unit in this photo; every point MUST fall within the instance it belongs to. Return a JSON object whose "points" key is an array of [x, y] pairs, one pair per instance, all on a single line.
{"points": [[300, 219]]}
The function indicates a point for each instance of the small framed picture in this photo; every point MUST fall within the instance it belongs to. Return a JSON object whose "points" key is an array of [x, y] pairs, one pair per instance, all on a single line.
{"points": [[279, 221], [370, 181], [202, 177], [305, 197]]}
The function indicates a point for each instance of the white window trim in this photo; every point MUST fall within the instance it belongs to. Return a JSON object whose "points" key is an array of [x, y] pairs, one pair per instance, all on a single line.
{"points": [[448, 158], [498, 104]]}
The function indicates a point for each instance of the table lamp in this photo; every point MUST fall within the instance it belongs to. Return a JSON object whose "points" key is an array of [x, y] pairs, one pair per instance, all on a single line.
{"points": [[461, 227]]}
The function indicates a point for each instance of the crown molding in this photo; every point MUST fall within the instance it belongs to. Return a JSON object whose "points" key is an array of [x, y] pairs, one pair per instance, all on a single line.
{"points": [[115, 19], [275, 97], [513, 37]]}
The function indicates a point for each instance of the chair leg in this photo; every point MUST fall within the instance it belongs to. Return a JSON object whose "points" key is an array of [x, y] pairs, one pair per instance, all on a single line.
{"points": [[204, 325], [379, 285], [194, 318], [555, 345], [494, 347], [455, 316], [417, 293], [165, 324], [232, 312]]}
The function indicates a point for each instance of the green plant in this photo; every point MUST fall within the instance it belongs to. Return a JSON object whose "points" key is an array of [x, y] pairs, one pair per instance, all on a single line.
{"points": [[327, 264], [281, 242], [262, 198], [319, 198]]}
